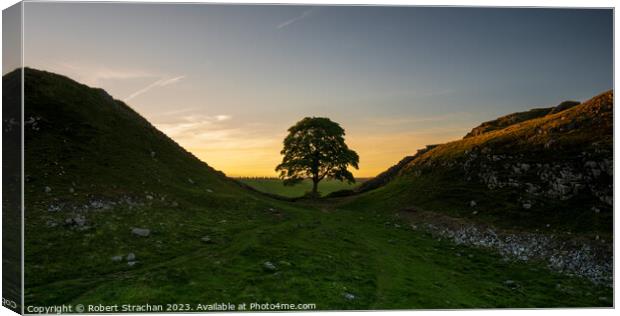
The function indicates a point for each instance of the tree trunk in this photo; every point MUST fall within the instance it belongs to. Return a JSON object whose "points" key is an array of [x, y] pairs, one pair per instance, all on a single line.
{"points": [[315, 186]]}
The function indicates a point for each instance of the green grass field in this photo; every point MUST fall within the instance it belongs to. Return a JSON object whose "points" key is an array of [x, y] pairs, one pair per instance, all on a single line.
{"points": [[321, 255], [275, 186]]}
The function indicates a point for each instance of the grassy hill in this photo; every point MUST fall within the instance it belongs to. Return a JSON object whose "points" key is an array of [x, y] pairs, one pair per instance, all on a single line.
{"points": [[550, 172], [514, 118], [117, 212]]}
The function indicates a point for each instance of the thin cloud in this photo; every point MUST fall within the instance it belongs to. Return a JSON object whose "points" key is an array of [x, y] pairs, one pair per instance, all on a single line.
{"points": [[216, 133], [298, 18], [159, 83], [222, 117], [95, 74]]}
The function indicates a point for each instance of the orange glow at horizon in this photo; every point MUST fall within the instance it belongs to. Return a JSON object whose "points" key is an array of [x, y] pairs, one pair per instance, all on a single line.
{"points": [[377, 153]]}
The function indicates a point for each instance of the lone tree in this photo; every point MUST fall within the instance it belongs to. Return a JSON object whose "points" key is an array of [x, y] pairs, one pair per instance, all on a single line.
{"points": [[315, 149]]}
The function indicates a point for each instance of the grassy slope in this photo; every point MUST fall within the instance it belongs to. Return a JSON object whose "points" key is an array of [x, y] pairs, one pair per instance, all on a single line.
{"points": [[321, 253], [514, 118], [436, 180], [11, 191], [276, 186]]}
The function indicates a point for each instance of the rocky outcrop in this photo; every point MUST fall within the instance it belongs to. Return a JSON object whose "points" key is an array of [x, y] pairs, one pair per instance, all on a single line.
{"points": [[584, 174], [566, 254], [574, 257], [518, 117]]}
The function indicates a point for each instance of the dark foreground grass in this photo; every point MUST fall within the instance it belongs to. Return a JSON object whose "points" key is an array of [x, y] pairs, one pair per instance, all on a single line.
{"points": [[276, 186], [320, 255]]}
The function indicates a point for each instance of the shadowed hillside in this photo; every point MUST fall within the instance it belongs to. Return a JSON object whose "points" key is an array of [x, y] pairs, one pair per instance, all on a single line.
{"points": [[81, 139]]}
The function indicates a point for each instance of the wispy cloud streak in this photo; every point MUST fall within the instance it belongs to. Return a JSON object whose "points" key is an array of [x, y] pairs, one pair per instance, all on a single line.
{"points": [[298, 18], [159, 83]]}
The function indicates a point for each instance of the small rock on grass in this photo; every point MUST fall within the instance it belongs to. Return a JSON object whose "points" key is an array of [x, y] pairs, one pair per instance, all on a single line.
{"points": [[206, 239], [142, 232], [348, 296], [269, 266], [117, 258]]}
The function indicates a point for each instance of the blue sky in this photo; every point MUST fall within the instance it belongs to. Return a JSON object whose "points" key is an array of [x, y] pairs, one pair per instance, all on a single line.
{"points": [[227, 81]]}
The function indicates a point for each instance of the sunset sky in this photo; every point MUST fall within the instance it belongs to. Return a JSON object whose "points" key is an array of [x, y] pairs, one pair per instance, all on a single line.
{"points": [[227, 81]]}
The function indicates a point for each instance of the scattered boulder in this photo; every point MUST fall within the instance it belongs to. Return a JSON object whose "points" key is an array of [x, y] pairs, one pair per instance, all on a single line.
{"points": [[76, 221], [348, 296], [131, 256], [48, 189], [54, 208], [142, 232], [206, 239], [269, 266], [117, 258], [472, 203]]}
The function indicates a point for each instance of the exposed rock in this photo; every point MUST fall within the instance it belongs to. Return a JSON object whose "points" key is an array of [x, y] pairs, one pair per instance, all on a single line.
{"points": [[54, 208], [206, 239], [47, 189], [472, 203], [348, 296], [575, 257], [269, 266], [142, 232], [117, 258], [78, 221], [131, 256]]}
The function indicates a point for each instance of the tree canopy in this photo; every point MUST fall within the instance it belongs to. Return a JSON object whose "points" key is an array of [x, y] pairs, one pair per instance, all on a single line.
{"points": [[315, 149]]}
